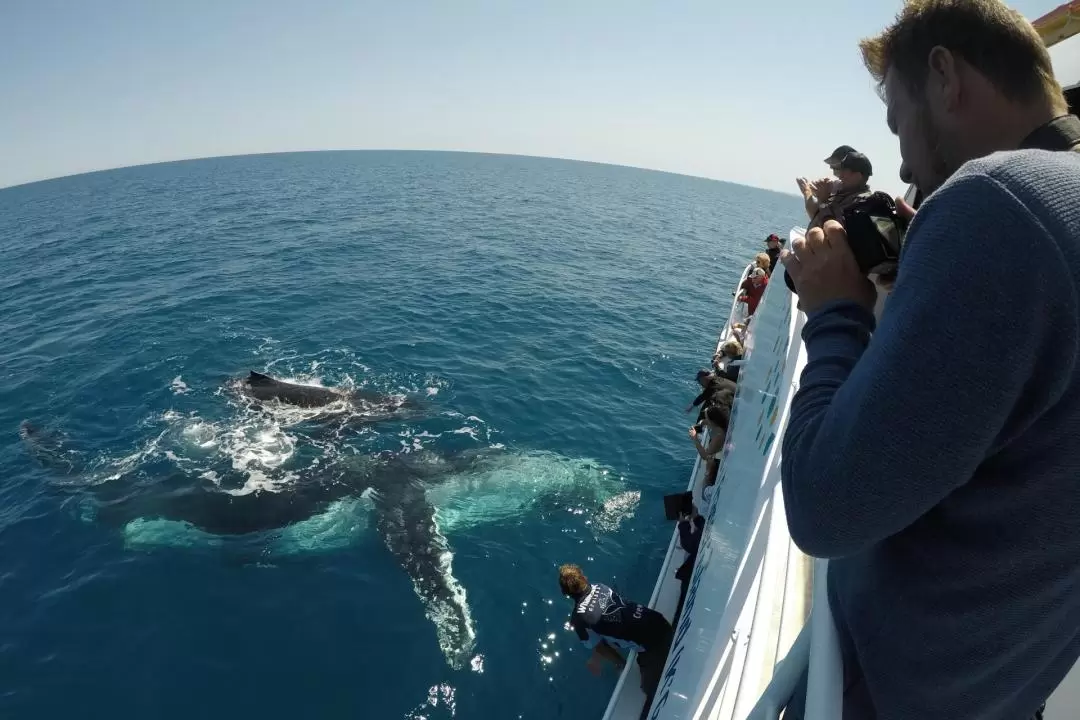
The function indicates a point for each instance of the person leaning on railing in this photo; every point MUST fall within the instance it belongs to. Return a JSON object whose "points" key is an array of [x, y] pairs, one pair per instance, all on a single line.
{"points": [[773, 246], [716, 418], [727, 362], [608, 624], [948, 499]]}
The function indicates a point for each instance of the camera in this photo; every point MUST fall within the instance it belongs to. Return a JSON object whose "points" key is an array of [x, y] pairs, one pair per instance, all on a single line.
{"points": [[875, 233]]}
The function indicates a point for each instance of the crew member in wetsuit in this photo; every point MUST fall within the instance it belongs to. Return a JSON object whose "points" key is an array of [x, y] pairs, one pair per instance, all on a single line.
{"points": [[607, 623]]}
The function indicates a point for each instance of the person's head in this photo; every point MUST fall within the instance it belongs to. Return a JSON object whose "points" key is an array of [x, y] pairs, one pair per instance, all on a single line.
{"points": [[757, 276], [717, 416], [837, 155], [724, 398], [961, 79], [572, 581], [773, 242], [703, 377], [854, 171], [731, 348], [762, 261]]}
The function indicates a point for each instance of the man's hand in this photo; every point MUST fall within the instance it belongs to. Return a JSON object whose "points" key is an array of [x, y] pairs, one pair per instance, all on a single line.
{"points": [[693, 433], [823, 188], [903, 209], [804, 187], [823, 269]]}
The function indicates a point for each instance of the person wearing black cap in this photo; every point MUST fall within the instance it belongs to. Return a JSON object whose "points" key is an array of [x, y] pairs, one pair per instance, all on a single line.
{"points": [[773, 247], [816, 193], [837, 156], [853, 174]]}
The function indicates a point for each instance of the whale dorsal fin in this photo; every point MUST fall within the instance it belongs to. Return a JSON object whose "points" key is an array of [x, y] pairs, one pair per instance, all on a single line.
{"points": [[259, 379]]}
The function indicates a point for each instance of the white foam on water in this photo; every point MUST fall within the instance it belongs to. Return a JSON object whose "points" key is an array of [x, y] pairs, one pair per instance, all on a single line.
{"points": [[179, 387], [118, 467], [255, 445], [616, 509], [466, 430], [442, 695], [477, 664]]}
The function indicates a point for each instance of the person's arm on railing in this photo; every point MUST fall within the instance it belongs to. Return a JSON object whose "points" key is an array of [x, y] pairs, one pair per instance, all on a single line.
{"points": [[880, 432], [699, 399], [701, 450]]}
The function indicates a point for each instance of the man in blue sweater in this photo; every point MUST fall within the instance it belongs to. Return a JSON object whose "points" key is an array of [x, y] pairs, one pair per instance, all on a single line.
{"points": [[938, 464]]}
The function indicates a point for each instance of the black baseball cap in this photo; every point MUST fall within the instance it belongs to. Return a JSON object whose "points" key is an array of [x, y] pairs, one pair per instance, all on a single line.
{"points": [[839, 154], [858, 162]]}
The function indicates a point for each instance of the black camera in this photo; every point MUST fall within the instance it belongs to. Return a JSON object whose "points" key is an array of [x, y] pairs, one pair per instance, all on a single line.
{"points": [[875, 233]]}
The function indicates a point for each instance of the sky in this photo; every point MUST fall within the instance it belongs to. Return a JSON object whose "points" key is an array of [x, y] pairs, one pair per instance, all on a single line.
{"points": [[755, 92]]}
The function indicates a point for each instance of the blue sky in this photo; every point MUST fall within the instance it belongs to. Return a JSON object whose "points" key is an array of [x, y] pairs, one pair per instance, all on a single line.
{"points": [[756, 91]]}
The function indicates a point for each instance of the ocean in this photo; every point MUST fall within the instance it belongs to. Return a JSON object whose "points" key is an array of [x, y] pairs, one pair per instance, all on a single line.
{"points": [[545, 316]]}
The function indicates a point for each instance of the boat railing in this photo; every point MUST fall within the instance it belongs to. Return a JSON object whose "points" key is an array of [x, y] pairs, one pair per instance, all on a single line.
{"points": [[816, 651], [626, 698], [747, 635]]}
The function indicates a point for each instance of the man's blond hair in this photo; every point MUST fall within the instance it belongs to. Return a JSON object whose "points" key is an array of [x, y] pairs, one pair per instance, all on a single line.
{"points": [[990, 36], [571, 580]]}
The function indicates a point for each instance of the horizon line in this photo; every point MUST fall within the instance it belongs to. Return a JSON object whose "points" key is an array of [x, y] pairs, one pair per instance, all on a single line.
{"points": [[413, 150]]}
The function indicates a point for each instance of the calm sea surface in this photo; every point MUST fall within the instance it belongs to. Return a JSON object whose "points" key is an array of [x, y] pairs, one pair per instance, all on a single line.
{"points": [[547, 316]]}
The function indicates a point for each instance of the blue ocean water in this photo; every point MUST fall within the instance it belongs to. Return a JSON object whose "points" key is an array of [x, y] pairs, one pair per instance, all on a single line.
{"points": [[548, 312]]}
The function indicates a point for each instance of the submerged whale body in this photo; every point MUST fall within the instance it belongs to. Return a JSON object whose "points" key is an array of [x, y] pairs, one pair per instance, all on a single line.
{"points": [[412, 499], [397, 488]]}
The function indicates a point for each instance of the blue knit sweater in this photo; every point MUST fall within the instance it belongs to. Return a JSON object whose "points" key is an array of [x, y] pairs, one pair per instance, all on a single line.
{"points": [[939, 463]]}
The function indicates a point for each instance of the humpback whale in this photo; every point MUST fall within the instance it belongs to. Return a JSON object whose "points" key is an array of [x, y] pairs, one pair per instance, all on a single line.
{"points": [[396, 485], [413, 500]]}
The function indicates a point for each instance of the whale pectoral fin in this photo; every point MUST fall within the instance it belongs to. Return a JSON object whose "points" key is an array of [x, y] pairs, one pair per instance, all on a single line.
{"points": [[407, 524], [255, 378]]}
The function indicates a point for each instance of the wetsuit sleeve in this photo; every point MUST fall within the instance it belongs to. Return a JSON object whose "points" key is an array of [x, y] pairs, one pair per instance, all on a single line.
{"points": [[584, 634], [701, 398], [968, 353], [591, 639]]}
